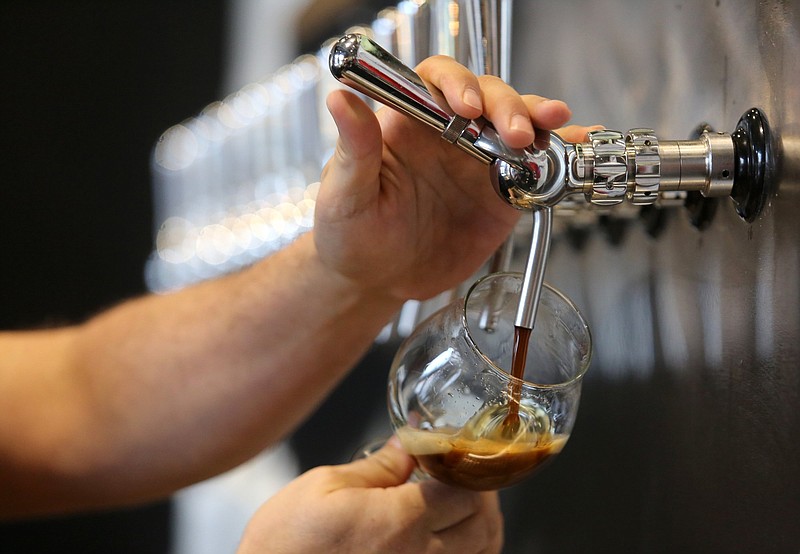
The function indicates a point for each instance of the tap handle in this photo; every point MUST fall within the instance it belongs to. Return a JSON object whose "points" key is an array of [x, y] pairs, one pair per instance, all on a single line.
{"points": [[364, 65]]}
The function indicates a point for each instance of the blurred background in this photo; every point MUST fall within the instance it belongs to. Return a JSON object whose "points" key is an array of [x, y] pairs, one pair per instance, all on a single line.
{"points": [[132, 162]]}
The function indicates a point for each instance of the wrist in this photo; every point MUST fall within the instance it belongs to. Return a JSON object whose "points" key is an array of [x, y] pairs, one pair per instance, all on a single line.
{"points": [[349, 293]]}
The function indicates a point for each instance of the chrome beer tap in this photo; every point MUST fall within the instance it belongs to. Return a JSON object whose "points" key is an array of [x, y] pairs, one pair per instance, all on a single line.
{"points": [[608, 169]]}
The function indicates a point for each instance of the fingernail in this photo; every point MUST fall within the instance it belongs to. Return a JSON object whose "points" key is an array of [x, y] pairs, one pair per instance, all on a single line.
{"points": [[560, 104], [472, 99], [521, 123]]}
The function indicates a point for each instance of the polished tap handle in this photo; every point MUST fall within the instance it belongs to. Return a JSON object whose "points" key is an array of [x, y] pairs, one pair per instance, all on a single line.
{"points": [[365, 66]]}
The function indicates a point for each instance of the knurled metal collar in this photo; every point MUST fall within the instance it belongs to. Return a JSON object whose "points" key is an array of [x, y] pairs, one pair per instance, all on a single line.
{"points": [[610, 181], [647, 166], [455, 128]]}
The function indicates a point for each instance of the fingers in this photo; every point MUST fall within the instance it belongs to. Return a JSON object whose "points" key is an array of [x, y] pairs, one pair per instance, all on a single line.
{"points": [[507, 111], [357, 158], [446, 506], [515, 117], [482, 532], [548, 114], [357, 126], [466, 521], [388, 467], [577, 133], [470, 96], [440, 518], [459, 85], [367, 506]]}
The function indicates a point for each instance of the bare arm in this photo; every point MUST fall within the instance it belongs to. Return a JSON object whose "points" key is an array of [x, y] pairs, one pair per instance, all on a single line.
{"points": [[163, 391]]}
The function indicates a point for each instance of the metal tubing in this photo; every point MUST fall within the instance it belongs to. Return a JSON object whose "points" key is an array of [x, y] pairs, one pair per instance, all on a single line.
{"points": [[535, 268]]}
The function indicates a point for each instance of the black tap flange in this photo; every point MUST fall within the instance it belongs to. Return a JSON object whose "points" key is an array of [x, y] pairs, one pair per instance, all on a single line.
{"points": [[754, 164]]}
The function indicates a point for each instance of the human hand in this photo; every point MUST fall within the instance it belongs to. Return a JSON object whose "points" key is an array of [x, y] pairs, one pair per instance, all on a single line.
{"points": [[367, 506], [402, 211]]}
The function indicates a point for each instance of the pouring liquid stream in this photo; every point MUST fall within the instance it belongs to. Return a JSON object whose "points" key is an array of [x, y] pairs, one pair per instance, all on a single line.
{"points": [[519, 358]]}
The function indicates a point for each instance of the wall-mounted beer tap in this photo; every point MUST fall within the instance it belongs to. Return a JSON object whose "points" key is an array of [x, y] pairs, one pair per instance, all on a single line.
{"points": [[610, 168]]}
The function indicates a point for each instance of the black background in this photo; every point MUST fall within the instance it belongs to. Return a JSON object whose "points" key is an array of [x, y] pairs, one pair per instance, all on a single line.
{"points": [[87, 88]]}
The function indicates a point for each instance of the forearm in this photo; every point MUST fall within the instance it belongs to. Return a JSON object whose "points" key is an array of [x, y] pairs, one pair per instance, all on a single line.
{"points": [[169, 390]]}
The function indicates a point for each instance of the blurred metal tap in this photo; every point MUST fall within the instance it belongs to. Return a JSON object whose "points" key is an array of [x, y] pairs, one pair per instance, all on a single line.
{"points": [[489, 32]]}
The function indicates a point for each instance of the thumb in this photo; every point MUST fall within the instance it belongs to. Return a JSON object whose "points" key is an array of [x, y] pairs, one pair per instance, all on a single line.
{"points": [[359, 149], [388, 467]]}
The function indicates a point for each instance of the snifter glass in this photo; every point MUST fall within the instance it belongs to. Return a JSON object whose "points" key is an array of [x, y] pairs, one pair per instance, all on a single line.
{"points": [[451, 388]]}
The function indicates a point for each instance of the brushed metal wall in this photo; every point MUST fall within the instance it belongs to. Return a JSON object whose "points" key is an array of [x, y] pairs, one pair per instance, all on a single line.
{"points": [[688, 439]]}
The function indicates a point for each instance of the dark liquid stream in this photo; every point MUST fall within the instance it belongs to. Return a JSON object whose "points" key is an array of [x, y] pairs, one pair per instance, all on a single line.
{"points": [[518, 360]]}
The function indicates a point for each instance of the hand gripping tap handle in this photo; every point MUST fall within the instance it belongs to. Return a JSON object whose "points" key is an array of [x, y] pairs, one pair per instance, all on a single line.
{"points": [[521, 176]]}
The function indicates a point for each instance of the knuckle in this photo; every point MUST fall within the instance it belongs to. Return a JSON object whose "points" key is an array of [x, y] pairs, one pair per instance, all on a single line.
{"points": [[437, 58], [322, 476], [433, 62], [491, 80]]}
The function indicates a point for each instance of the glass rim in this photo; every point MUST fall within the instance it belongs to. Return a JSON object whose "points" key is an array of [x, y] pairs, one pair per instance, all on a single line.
{"points": [[505, 374]]}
